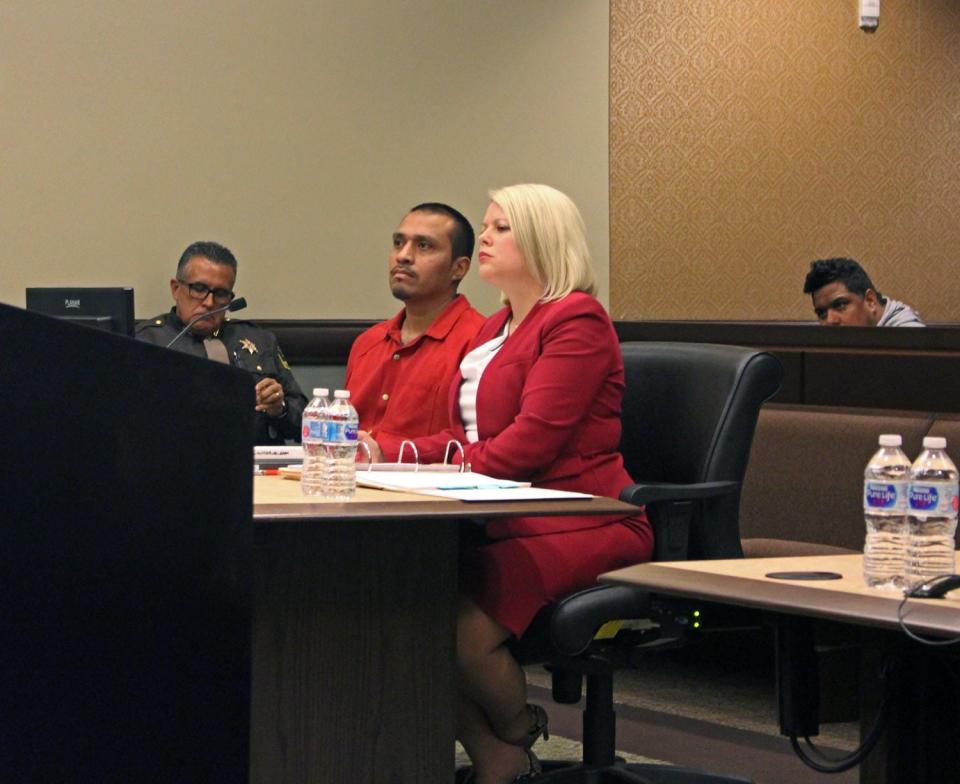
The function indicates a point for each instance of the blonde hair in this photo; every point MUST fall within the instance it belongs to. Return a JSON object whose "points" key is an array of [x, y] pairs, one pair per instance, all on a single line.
{"points": [[550, 233]]}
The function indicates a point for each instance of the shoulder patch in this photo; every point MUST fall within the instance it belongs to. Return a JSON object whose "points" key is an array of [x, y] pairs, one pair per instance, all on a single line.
{"points": [[148, 324]]}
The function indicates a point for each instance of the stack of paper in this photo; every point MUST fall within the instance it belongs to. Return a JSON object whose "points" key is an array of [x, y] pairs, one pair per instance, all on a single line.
{"points": [[447, 482], [273, 456], [413, 481], [466, 486]]}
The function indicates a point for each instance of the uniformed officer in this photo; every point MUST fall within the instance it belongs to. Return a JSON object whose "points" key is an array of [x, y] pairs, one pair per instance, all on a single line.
{"points": [[205, 278]]}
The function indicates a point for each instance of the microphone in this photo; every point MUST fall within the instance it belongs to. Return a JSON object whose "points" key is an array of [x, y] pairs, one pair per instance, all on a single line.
{"points": [[238, 304]]}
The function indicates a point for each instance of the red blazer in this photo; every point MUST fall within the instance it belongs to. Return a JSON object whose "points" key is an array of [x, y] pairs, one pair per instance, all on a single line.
{"points": [[548, 410]]}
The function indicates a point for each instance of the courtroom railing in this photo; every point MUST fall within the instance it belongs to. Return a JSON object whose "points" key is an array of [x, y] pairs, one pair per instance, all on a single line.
{"points": [[912, 369]]}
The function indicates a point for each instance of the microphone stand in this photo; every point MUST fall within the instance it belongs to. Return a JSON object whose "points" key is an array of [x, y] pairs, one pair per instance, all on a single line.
{"points": [[238, 304]]}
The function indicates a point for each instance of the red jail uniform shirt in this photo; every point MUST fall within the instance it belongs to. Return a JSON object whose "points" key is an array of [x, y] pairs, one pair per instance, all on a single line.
{"points": [[401, 390]]}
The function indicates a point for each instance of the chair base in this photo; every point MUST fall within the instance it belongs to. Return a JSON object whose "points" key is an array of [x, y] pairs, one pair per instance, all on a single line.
{"points": [[631, 773], [560, 772]]}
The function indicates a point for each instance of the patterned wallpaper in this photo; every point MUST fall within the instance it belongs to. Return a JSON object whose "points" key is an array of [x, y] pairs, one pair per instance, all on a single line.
{"points": [[749, 137]]}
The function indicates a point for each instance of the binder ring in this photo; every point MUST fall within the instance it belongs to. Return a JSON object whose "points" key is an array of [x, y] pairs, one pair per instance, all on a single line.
{"points": [[365, 448], [416, 454], [463, 456]]}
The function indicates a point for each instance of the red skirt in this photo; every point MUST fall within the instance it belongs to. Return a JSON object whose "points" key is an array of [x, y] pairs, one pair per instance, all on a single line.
{"points": [[512, 579]]}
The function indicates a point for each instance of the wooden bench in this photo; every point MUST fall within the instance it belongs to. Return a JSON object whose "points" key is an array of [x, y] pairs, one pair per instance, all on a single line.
{"points": [[804, 481]]}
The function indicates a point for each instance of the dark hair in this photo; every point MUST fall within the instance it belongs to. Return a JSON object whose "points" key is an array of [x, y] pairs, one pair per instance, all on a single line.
{"points": [[213, 251], [847, 271], [461, 237]]}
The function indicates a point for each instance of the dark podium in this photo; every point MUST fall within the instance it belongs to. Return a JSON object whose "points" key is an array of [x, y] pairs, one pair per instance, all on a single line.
{"points": [[125, 559]]}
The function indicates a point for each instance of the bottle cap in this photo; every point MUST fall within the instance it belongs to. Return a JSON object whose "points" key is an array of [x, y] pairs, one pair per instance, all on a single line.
{"points": [[342, 394], [934, 442], [320, 391], [890, 439]]}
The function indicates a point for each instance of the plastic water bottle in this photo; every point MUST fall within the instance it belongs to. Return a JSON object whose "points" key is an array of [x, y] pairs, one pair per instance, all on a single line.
{"points": [[340, 449], [314, 425], [932, 517], [885, 481]]}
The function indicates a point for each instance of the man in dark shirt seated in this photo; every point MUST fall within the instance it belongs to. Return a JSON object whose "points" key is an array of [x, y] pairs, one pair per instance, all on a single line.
{"points": [[844, 296], [204, 282]]}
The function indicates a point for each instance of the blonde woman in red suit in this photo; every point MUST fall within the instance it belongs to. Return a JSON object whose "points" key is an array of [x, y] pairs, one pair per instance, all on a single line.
{"points": [[537, 399]]}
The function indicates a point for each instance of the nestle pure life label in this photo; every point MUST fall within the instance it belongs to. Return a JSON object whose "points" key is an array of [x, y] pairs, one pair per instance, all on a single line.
{"points": [[937, 499], [341, 431], [885, 496], [313, 431]]}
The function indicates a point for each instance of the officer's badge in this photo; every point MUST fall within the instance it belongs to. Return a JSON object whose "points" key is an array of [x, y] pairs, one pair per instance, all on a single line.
{"points": [[283, 359], [249, 345]]}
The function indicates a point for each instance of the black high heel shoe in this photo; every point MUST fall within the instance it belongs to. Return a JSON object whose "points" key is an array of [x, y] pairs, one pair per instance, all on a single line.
{"points": [[534, 768], [539, 726]]}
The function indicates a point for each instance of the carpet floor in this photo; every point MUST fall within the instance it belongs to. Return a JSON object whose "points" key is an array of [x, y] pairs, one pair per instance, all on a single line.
{"points": [[710, 706]]}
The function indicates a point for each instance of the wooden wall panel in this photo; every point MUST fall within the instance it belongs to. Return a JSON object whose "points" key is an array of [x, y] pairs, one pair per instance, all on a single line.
{"points": [[748, 138]]}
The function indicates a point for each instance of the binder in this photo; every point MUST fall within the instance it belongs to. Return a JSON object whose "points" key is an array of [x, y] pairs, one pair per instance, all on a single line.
{"points": [[276, 456], [293, 470], [433, 482], [446, 480]]}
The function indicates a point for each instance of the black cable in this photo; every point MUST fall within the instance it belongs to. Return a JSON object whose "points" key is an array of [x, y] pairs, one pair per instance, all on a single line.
{"points": [[913, 635], [821, 763]]}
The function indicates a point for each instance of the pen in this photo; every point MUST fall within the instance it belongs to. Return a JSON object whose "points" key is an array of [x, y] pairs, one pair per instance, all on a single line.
{"points": [[510, 486], [266, 471]]}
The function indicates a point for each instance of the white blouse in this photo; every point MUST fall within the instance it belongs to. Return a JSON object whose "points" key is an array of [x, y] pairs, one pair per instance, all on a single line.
{"points": [[471, 368]]}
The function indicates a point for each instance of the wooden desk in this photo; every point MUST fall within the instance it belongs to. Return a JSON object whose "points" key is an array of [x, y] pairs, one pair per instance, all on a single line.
{"points": [[743, 582], [920, 743], [353, 643]]}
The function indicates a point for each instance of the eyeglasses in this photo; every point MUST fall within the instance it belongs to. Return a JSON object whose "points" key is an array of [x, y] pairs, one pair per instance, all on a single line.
{"points": [[201, 290]]}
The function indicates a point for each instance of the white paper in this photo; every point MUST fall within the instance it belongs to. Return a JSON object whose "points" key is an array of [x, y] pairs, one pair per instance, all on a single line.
{"points": [[510, 494], [433, 480]]}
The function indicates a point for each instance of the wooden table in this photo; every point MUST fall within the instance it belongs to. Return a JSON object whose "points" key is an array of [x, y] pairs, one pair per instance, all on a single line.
{"points": [[920, 744], [353, 643], [743, 582]]}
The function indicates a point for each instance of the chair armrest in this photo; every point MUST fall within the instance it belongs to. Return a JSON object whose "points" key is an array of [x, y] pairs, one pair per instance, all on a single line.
{"points": [[671, 508], [654, 492], [577, 618]]}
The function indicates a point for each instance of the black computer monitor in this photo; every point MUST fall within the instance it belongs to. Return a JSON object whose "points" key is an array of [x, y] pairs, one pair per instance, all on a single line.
{"points": [[107, 308]]}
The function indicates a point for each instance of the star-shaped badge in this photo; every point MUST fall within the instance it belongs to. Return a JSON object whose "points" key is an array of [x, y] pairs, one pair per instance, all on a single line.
{"points": [[249, 345]]}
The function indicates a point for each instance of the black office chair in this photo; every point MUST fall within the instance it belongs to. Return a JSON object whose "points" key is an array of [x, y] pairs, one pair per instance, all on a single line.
{"points": [[689, 413]]}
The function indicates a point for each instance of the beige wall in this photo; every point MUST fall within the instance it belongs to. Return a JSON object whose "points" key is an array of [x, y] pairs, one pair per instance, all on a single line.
{"points": [[749, 137], [297, 133]]}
